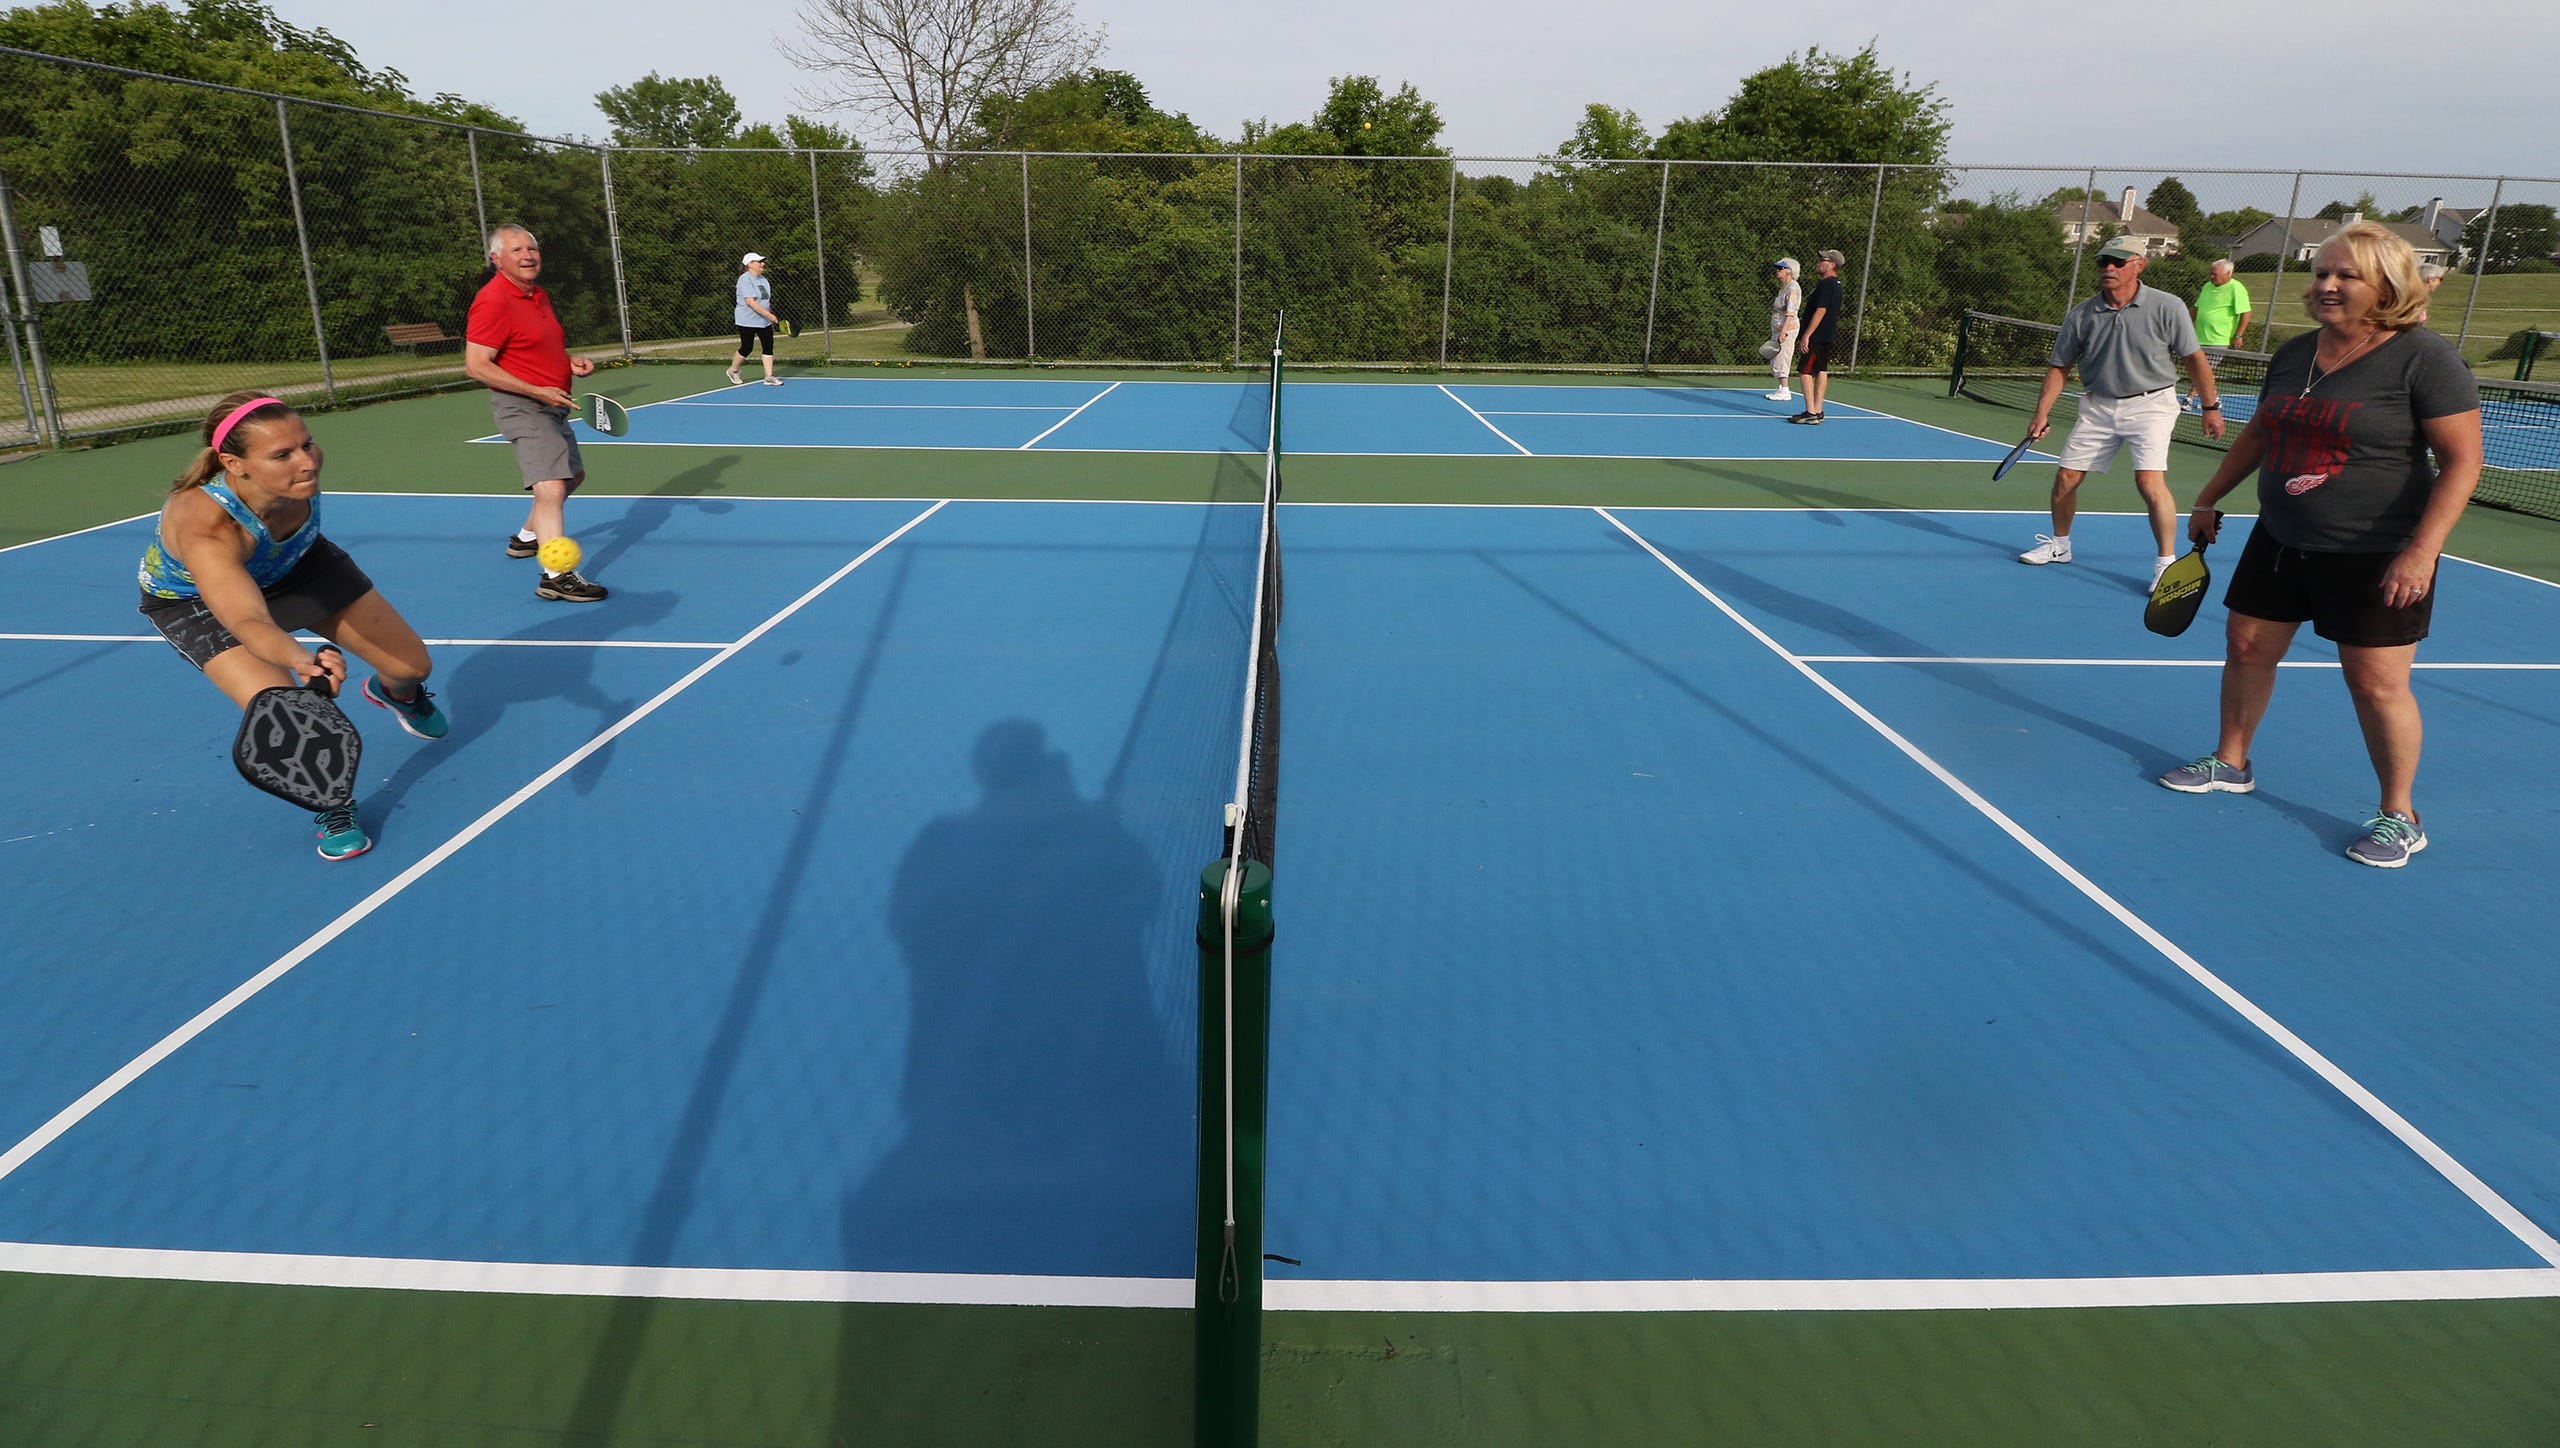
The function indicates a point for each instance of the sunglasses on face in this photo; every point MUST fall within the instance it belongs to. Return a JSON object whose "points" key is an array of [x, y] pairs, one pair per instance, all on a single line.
{"points": [[2113, 261]]}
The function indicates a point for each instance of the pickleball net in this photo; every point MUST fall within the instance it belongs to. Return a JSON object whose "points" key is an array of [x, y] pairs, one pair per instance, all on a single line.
{"points": [[2001, 361], [1235, 1014]]}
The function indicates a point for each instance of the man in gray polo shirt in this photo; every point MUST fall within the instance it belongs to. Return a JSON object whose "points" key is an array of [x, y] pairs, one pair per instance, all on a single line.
{"points": [[2127, 342]]}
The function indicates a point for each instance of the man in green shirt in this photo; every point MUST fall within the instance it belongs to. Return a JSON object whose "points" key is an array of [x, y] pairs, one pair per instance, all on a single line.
{"points": [[2222, 309]]}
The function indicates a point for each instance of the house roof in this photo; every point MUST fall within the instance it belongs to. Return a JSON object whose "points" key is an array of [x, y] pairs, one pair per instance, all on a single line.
{"points": [[2108, 213], [2311, 230]]}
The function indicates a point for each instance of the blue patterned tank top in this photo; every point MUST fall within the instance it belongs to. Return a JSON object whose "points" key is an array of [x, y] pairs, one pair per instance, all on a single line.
{"points": [[163, 576]]}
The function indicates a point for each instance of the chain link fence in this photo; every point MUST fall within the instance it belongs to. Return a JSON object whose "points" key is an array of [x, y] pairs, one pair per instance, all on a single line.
{"points": [[169, 241]]}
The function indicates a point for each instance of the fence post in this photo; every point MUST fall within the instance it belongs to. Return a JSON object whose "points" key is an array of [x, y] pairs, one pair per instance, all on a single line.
{"points": [[302, 235], [818, 226], [2089, 203], [479, 199], [48, 429], [1653, 293], [1238, 359], [1858, 323], [1448, 260], [1030, 320], [2480, 263], [2284, 253], [613, 235]]}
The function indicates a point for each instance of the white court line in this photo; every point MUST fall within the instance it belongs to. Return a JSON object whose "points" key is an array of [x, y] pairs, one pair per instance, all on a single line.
{"points": [[2481, 1194], [1072, 416], [76, 532], [1906, 1295], [1471, 412], [876, 406], [574, 1279], [1846, 415], [720, 1284], [153, 638], [2130, 663], [132, 1071]]}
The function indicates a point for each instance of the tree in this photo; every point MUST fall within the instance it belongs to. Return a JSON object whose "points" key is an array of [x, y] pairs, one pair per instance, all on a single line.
{"points": [[1607, 134], [1823, 108], [925, 69], [2364, 204], [1090, 110], [671, 111], [2527, 231], [2171, 201]]}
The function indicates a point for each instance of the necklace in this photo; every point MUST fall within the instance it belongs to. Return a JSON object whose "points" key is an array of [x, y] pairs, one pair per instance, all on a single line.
{"points": [[2352, 353]]}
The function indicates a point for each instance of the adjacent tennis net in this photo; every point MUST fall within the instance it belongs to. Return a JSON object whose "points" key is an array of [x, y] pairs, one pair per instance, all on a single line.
{"points": [[1235, 1014], [2001, 360]]}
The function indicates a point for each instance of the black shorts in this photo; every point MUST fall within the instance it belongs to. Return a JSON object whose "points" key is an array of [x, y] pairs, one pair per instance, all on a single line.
{"points": [[2338, 594], [748, 337], [1817, 360], [323, 585]]}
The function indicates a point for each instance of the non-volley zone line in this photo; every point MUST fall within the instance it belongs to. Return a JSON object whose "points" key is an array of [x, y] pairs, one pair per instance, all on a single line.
{"points": [[973, 1289]]}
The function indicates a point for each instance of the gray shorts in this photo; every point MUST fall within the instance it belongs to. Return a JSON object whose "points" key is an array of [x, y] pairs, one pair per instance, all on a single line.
{"points": [[323, 585], [545, 447]]}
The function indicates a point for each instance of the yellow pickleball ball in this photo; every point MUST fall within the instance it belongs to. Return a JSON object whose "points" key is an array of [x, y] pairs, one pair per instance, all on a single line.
{"points": [[560, 554]]}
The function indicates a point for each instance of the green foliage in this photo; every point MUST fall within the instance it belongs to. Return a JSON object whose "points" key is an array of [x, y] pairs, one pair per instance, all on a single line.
{"points": [[1091, 110], [1607, 134], [2008, 258], [671, 111], [1819, 107], [2235, 223], [2365, 204], [2526, 232], [2171, 201]]}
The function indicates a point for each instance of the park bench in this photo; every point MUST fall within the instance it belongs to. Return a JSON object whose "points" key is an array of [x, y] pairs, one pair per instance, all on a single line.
{"points": [[414, 335]]}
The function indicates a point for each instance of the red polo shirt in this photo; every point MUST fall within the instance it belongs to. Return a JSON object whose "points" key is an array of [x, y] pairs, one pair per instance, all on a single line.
{"points": [[530, 343]]}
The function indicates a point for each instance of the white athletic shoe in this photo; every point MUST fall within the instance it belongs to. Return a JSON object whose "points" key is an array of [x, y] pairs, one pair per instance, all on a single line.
{"points": [[735, 380], [2048, 549], [2158, 567], [1781, 395]]}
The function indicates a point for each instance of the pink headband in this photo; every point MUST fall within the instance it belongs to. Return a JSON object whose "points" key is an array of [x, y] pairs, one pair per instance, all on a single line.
{"points": [[237, 413]]}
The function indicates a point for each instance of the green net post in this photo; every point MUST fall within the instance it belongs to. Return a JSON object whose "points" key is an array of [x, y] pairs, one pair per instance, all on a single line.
{"points": [[1227, 1277], [1955, 374]]}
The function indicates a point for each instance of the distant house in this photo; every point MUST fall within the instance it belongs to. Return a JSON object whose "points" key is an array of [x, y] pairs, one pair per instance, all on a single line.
{"points": [[2301, 240], [2446, 223], [2093, 220]]}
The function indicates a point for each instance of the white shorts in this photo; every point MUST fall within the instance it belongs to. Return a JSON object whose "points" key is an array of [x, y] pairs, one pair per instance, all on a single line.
{"points": [[2109, 423]]}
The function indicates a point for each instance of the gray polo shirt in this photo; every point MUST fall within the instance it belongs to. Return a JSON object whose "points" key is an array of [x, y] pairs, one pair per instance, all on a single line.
{"points": [[2129, 350]]}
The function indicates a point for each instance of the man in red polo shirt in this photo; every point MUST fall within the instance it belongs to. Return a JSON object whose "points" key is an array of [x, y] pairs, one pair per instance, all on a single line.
{"points": [[515, 345]]}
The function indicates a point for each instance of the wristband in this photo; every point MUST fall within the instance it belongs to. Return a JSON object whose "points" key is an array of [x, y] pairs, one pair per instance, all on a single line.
{"points": [[2210, 407]]}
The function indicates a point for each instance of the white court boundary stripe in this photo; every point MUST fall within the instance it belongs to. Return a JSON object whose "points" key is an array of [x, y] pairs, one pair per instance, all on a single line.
{"points": [[2132, 663], [133, 1070], [875, 406], [549, 1279], [2481, 1194], [1906, 1295], [153, 638], [1471, 412], [1072, 416], [76, 532], [570, 1279]]}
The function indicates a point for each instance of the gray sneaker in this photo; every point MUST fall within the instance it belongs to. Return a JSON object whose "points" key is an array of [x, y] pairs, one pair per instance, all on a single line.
{"points": [[2209, 774], [2390, 839]]}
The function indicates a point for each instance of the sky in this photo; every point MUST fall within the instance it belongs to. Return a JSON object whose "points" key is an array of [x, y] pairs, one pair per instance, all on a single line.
{"points": [[2352, 86]]}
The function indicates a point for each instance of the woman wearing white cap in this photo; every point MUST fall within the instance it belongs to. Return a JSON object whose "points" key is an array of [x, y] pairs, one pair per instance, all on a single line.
{"points": [[1781, 350], [755, 318]]}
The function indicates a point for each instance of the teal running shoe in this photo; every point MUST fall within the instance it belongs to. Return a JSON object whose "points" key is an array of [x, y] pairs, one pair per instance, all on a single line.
{"points": [[2390, 838], [341, 838], [419, 716]]}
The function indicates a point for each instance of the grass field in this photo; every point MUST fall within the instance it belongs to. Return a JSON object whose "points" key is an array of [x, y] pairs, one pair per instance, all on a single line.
{"points": [[2504, 306]]}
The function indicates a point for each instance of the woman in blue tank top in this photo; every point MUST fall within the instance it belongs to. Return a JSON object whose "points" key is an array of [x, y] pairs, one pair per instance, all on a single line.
{"points": [[239, 563]]}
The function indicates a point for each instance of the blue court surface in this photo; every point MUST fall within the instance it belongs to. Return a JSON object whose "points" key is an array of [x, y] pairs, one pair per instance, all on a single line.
{"points": [[1381, 419], [1671, 902]]}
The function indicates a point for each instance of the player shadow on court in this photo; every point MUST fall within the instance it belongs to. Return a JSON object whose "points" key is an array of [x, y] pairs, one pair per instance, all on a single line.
{"points": [[483, 684], [1928, 834], [2145, 759], [1830, 501], [1047, 1122]]}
